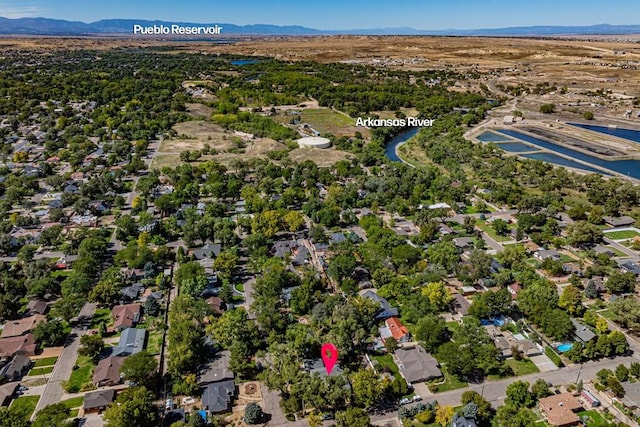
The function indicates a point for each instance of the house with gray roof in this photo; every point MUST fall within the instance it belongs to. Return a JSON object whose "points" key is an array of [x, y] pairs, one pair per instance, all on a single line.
{"points": [[581, 332], [216, 397], [386, 310], [416, 365], [16, 368], [461, 421], [619, 221], [316, 366], [217, 369], [98, 401], [210, 250], [132, 341]]}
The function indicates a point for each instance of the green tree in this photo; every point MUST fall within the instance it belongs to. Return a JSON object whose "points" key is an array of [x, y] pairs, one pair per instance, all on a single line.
{"points": [[547, 108], [10, 417], [438, 294], [582, 233], [56, 415], [500, 226], [444, 414], [140, 368], [50, 334], [293, 220], [431, 331], [619, 282], [91, 346], [540, 389], [518, 395], [391, 344], [622, 373], [253, 413], [352, 417], [485, 411], [368, 388], [225, 263], [134, 407], [509, 416], [571, 300]]}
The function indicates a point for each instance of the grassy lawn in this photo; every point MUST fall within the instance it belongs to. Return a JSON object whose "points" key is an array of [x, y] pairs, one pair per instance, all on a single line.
{"points": [[74, 402], [82, 375], [25, 405], [553, 356], [450, 383], [239, 287], [60, 273], [566, 258], [326, 120], [522, 367], [622, 235], [47, 361], [487, 228], [595, 418], [386, 363], [102, 315], [41, 371], [154, 342], [606, 314]]}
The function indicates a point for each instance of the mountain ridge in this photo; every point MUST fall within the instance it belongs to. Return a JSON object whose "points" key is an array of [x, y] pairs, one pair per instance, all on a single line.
{"points": [[49, 26]]}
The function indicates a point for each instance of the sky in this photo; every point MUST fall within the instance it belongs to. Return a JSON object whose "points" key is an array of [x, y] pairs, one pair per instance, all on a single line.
{"points": [[341, 14]]}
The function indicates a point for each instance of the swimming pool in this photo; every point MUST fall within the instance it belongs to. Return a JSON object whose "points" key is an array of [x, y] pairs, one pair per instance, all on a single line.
{"points": [[563, 348]]}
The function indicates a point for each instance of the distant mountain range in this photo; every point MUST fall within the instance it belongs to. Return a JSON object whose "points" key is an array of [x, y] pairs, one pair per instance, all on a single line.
{"points": [[46, 26]]}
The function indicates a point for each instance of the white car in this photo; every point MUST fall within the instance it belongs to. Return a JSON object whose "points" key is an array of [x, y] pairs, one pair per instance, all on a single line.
{"points": [[405, 401], [188, 400], [417, 398]]}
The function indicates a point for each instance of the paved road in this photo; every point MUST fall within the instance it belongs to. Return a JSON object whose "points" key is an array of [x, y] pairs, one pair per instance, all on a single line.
{"points": [[495, 391], [53, 254], [622, 248], [64, 366]]}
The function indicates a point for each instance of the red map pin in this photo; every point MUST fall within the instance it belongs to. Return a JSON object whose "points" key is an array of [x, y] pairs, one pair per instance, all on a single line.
{"points": [[329, 356]]}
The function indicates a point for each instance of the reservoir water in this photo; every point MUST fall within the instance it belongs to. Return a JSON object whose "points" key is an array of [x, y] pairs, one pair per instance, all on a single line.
{"points": [[560, 161], [241, 62], [632, 135], [625, 167], [488, 136]]}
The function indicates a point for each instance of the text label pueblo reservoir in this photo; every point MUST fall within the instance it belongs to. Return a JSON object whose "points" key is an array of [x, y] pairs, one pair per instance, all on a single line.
{"points": [[175, 29], [409, 121]]}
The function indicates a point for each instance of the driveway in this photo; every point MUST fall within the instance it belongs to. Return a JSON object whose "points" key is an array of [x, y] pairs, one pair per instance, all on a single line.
{"points": [[543, 363], [64, 366], [271, 406]]}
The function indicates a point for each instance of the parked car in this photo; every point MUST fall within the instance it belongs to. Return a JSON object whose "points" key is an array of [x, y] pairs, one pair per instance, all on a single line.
{"points": [[328, 416], [417, 398], [405, 401]]}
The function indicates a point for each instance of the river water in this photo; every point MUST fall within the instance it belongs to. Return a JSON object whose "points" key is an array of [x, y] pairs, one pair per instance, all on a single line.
{"points": [[397, 141]]}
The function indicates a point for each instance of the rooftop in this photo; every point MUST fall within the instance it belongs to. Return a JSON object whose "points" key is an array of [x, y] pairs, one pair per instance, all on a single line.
{"points": [[14, 328], [416, 365], [559, 409], [99, 399], [132, 341]]}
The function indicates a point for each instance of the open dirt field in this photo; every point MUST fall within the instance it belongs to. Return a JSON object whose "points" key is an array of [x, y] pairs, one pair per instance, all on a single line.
{"points": [[199, 110], [322, 158]]}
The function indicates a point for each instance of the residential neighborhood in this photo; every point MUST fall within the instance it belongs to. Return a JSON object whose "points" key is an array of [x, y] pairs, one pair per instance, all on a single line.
{"points": [[199, 288]]}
